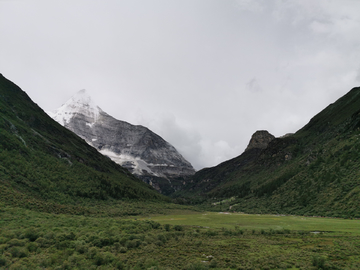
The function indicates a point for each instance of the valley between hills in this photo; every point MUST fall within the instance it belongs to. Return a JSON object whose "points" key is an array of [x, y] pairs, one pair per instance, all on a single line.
{"points": [[285, 203]]}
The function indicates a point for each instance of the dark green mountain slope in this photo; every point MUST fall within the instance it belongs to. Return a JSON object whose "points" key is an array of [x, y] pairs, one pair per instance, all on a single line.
{"points": [[45, 166], [314, 171]]}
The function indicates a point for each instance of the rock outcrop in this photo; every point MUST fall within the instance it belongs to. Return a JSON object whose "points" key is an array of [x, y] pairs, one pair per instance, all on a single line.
{"points": [[260, 139]]}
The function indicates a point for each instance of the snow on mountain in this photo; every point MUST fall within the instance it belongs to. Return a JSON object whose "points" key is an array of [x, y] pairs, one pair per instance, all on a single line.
{"points": [[135, 147], [80, 103]]}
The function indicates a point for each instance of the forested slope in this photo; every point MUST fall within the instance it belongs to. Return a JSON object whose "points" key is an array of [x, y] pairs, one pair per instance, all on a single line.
{"points": [[314, 171]]}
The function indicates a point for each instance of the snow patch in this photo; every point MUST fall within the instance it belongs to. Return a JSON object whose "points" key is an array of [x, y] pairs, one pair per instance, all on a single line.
{"points": [[139, 165]]}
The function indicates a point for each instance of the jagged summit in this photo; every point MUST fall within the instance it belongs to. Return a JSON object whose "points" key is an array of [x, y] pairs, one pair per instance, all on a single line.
{"points": [[134, 147], [260, 139], [80, 103]]}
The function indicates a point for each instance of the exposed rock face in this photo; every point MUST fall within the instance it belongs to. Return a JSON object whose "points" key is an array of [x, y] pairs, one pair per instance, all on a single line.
{"points": [[136, 148], [260, 139]]}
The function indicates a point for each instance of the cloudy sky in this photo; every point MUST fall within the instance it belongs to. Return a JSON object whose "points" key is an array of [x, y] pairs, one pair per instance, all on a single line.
{"points": [[203, 74]]}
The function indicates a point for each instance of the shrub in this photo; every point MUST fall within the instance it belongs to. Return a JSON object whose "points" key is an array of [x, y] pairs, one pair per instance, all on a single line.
{"points": [[91, 252], [2, 260], [63, 244], [178, 228], [103, 242], [99, 259], [133, 243], [198, 243], [81, 247], [43, 242], [31, 234], [3, 240], [213, 264], [228, 232], [167, 227], [211, 233], [18, 252], [16, 243], [122, 249], [76, 260], [162, 238], [119, 265], [318, 262], [32, 246], [159, 243], [123, 241], [154, 225]]}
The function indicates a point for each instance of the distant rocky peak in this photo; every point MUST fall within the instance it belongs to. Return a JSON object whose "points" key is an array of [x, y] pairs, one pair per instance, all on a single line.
{"points": [[80, 103], [137, 148], [260, 139]]}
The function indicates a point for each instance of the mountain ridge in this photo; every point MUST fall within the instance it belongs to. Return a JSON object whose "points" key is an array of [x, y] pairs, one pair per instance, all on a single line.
{"points": [[312, 172], [135, 147]]}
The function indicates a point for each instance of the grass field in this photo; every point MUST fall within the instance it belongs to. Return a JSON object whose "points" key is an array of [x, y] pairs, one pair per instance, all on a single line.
{"points": [[189, 241], [258, 222]]}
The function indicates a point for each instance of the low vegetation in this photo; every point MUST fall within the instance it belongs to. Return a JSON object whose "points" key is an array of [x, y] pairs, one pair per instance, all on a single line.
{"points": [[34, 240]]}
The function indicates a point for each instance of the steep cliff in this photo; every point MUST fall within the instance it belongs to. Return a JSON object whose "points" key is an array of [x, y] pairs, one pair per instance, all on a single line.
{"points": [[260, 139]]}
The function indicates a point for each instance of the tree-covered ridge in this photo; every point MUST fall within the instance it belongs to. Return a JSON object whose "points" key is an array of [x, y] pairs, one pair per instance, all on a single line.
{"points": [[313, 172], [42, 161]]}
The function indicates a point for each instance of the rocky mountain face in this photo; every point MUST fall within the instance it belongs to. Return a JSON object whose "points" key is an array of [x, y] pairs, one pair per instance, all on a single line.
{"points": [[135, 147], [260, 139]]}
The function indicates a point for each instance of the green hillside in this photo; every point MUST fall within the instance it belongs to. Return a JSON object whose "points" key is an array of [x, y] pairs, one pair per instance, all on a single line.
{"points": [[44, 166], [313, 172]]}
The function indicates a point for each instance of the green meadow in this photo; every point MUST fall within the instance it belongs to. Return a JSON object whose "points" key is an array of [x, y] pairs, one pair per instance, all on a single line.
{"points": [[188, 240], [258, 222]]}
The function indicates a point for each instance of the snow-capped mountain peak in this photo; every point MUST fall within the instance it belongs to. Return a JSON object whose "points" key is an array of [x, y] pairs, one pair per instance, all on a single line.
{"points": [[80, 103], [134, 147]]}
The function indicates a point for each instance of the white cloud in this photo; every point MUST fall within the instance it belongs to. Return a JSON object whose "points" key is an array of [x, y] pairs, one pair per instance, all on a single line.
{"points": [[205, 75], [250, 5], [358, 76], [321, 27]]}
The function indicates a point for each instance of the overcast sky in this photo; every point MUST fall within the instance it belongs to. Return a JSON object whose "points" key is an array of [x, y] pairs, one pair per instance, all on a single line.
{"points": [[203, 74]]}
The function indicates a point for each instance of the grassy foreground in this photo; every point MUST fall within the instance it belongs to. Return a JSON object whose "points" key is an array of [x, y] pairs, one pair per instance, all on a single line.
{"points": [[33, 240]]}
